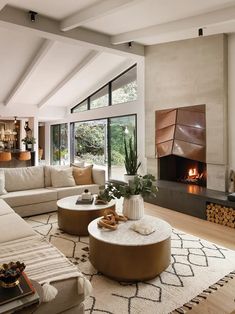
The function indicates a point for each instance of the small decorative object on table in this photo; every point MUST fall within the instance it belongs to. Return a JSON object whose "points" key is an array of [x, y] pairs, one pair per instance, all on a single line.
{"points": [[85, 198], [10, 274], [143, 227], [110, 220]]}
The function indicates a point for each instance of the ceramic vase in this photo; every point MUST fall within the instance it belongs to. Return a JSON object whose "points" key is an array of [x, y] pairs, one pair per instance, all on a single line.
{"points": [[133, 207]]}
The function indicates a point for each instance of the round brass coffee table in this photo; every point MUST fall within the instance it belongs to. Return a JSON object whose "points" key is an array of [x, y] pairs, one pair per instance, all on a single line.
{"points": [[74, 219], [126, 255]]}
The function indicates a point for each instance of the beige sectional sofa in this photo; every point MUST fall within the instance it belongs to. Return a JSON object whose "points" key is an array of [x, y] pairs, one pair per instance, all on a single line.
{"points": [[13, 228], [30, 191]]}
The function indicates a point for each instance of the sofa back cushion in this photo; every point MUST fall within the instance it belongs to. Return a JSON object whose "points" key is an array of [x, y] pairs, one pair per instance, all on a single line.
{"points": [[47, 170], [27, 178], [62, 177]]}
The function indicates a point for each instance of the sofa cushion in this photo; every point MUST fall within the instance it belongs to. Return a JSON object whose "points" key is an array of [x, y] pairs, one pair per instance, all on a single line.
{"points": [[47, 171], [27, 178], [13, 227], [2, 183], [83, 176], [75, 190], [98, 176], [19, 198], [62, 177], [5, 208]]}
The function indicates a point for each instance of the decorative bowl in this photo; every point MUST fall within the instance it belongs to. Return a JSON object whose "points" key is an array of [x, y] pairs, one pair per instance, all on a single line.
{"points": [[10, 274]]}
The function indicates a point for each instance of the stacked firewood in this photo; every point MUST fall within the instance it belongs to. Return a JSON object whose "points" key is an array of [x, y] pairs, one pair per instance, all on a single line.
{"points": [[221, 215]]}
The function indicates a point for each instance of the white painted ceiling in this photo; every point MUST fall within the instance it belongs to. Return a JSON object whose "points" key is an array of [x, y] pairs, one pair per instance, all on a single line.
{"points": [[53, 82]]}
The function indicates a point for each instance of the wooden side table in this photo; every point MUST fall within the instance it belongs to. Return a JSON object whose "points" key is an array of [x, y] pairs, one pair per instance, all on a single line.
{"points": [[126, 255], [74, 219]]}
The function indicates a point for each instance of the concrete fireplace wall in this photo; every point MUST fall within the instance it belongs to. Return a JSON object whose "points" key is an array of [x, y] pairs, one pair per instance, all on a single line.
{"points": [[187, 73]]}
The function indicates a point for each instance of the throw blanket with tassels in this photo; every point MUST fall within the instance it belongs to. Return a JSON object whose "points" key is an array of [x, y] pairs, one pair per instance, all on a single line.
{"points": [[44, 263]]}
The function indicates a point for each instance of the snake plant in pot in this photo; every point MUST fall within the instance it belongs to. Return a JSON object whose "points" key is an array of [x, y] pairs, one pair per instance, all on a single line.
{"points": [[131, 160]]}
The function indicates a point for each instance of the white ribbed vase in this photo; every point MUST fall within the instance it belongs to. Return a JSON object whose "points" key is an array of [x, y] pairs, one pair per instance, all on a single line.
{"points": [[133, 207]]}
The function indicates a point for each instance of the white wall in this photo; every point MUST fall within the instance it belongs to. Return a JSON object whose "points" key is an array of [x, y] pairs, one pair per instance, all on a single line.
{"points": [[134, 107], [231, 100]]}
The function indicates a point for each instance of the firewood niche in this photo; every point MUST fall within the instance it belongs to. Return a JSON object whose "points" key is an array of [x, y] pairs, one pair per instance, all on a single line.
{"points": [[220, 214]]}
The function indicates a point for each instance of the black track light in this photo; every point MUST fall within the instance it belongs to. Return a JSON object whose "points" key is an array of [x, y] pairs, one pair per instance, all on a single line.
{"points": [[32, 15], [200, 32]]}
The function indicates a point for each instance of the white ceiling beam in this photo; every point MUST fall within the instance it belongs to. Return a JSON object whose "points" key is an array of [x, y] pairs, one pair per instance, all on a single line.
{"points": [[18, 20], [93, 12], [2, 3], [198, 21], [77, 70], [47, 44]]}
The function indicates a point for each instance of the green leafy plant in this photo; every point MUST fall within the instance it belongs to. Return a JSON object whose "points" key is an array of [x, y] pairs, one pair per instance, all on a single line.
{"points": [[29, 140], [131, 159], [143, 185]]}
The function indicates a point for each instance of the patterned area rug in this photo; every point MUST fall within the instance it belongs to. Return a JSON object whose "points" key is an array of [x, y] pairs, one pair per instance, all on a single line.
{"points": [[196, 265]]}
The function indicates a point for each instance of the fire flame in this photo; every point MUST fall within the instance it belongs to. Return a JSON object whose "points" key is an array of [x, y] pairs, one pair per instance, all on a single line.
{"points": [[192, 172]]}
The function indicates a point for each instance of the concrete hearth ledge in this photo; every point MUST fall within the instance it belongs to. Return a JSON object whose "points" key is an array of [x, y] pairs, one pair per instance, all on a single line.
{"points": [[188, 198]]}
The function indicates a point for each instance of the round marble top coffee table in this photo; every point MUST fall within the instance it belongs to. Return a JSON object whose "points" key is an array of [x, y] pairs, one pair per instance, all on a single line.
{"points": [[126, 255], [74, 219]]}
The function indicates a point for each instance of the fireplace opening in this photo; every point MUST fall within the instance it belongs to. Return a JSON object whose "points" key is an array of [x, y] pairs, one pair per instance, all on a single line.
{"points": [[180, 169], [181, 144]]}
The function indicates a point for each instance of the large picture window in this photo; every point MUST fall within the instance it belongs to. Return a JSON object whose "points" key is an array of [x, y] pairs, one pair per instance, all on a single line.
{"points": [[101, 142], [121, 89], [124, 88]]}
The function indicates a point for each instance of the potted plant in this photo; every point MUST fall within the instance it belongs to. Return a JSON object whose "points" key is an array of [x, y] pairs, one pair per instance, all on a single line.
{"points": [[133, 193], [29, 141], [131, 160]]}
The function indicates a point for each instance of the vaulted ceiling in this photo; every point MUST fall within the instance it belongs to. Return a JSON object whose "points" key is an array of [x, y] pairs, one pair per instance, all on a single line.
{"points": [[74, 47]]}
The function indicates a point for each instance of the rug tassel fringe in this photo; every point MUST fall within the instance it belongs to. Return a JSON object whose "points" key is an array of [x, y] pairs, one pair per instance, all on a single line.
{"points": [[203, 296]]}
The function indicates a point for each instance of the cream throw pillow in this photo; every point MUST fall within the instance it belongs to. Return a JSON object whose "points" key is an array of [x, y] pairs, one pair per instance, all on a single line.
{"points": [[83, 176], [2, 183], [62, 177]]}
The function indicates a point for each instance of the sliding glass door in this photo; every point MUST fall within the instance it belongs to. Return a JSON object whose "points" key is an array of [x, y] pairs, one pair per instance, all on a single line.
{"points": [[59, 144], [90, 142], [101, 142]]}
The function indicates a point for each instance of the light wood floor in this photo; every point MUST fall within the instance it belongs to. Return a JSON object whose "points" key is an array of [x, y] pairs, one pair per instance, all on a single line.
{"points": [[222, 301]]}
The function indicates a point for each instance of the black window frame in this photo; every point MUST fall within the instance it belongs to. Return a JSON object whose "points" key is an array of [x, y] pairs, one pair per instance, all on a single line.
{"points": [[59, 125], [109, 84]]}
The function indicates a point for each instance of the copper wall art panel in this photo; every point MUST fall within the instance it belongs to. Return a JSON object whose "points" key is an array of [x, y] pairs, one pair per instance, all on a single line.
{"points": [[182, 132], [165, 118], [165, 134], [189, 150], [196, 135], [165, 149], [191, 118]]}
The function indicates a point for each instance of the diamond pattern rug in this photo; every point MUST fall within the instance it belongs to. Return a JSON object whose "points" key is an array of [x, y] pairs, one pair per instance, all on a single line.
{"points": [[196, 265]]}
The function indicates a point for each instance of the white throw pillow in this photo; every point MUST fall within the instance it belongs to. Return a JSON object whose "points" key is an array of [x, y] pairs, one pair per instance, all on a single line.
{"points": [[62, 177], [2, 183]]}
